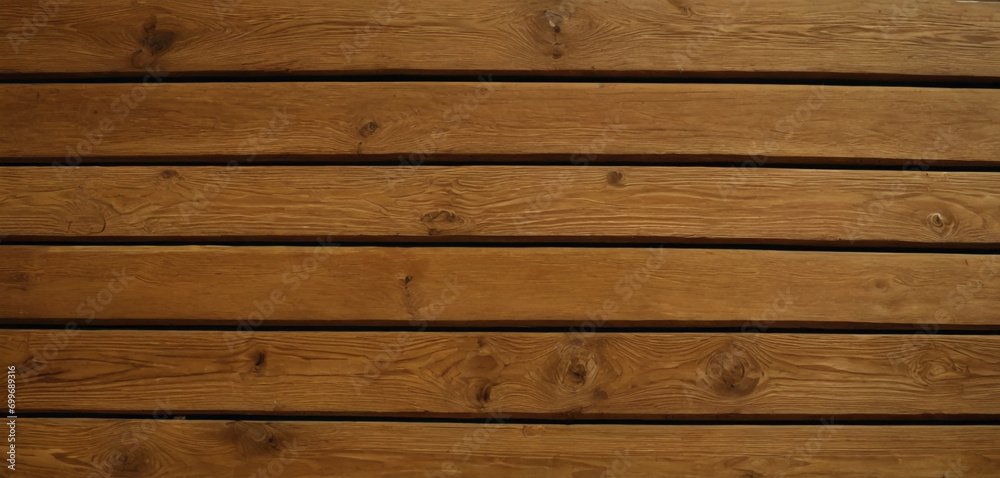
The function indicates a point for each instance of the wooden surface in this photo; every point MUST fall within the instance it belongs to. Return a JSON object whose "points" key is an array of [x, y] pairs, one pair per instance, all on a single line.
{"points": [[760, 38], [563, 239], [572, 123], [501, 203], [751, 289], [527, 375], [187, 448]]}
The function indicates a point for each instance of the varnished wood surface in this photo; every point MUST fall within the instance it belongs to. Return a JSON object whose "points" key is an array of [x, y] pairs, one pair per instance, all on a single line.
{"points": [[501, 203], [760, 38], [533, 375], [189, 448], [474, 286], [573, 123]]}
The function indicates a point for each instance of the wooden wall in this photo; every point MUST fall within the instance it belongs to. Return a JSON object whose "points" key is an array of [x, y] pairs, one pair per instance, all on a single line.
{"points": [[437, 238]]}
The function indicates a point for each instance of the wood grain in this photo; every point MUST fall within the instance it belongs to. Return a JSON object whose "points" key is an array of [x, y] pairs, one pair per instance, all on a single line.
{"points": [[528, 375], [501, 203], [575, 123], [469, 286], [196, 448], [762, 38]]}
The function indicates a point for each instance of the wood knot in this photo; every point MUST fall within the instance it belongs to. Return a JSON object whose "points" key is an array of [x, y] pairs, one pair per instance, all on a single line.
{"points": [[941, 224], [439, 222], [134, 461], [616, 178], [554, 19], [577, 368], [558, 50], [731, 371], [255, 439], [935, 365], [259, 362], [153, 42], [881, 285], [484, 394], [439, 216], [167, 174], [368, 129]]}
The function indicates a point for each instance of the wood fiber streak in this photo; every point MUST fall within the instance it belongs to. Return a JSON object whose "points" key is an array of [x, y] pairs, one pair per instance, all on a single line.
{"points": [[501, 203], [185, 448], [574, 123], [531, 375], [760, 38], [471, 286]]}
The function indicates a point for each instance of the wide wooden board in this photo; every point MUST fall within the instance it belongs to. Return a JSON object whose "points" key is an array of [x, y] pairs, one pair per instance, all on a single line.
{"points": [[501, 203], [575, 375], [491, 286], [570, 123], [494, 449], [761, 38]]}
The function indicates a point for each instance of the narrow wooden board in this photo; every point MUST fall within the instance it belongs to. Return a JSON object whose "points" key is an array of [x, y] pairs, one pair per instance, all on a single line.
{"points": [[195, 448], [573, 123], [469, 286], [760, 38], [501, 203], [576, 375]]}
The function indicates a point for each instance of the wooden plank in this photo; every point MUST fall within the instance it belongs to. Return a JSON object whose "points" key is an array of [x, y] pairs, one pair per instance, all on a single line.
{"points": [[527, 375], [493, 203], [190, 448], [569, 122], [471, 286], [763, 38]]}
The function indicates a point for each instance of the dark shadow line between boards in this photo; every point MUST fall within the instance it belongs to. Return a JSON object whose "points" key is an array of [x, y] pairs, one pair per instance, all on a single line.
{"points": [[850, 420]]}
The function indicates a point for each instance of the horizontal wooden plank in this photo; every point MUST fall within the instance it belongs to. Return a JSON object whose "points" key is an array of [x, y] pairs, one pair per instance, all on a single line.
{"points": [[501, 203], [842, 38], [191, 448], [469, 286], [528, 375], [572, 122]]}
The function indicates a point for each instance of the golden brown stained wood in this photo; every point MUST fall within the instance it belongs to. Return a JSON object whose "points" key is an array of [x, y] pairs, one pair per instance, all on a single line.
{"points": [[841, 38], [501, 203], [471, 286], [531, 375], [569, 122], [195, 448]]}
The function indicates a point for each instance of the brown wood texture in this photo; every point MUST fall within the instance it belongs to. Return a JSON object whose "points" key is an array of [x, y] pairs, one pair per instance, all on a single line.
{"points": [[769, 38], [197, 448], [573, 123], [501, 203], [472, 286], [530, 375]]}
